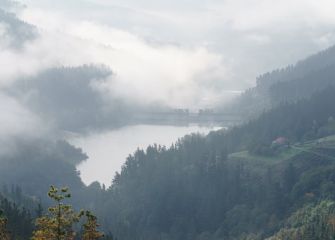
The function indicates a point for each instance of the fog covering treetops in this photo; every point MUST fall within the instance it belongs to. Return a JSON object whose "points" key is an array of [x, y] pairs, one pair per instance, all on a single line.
{"points": [[13, 31]]}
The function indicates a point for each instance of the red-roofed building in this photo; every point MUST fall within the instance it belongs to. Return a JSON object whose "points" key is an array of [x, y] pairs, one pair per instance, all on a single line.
{"points": [[281, 141]]}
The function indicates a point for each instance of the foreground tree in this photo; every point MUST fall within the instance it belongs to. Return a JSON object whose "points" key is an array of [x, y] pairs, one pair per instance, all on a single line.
{"points": [[90, 227], [59, 222], [4, 234]]}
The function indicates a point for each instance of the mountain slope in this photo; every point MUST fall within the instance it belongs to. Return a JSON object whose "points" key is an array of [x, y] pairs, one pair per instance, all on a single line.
{"points": [[197, 189], [292, 83]]}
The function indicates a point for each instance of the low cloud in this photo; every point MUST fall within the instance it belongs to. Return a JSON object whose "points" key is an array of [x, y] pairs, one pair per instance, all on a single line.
{"points": [[176, 54], [246, 34], [17, 122], [169, 74]]}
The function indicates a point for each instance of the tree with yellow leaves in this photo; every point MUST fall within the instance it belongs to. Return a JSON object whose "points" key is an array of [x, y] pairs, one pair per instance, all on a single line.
{"points": [[58, 223]]}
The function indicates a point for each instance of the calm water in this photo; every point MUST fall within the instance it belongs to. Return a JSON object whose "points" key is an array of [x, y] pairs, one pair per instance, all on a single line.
{"points": [[108, 151]]}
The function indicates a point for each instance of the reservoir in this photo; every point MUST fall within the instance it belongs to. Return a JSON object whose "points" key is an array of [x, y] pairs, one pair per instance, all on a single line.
{"points": [[108, 151]]}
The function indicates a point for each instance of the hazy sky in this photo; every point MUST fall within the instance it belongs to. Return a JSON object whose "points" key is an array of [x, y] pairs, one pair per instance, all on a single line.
{"points": [[181, 52]]}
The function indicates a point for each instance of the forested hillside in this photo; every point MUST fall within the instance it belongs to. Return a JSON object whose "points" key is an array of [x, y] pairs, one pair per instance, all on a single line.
{"points": [[288, 84], [19, 220], [82, 105], [232, 184]]}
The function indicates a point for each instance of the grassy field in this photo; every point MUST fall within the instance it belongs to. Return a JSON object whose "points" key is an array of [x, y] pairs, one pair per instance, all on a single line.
{"points": [[286, 154], [294, 150]]}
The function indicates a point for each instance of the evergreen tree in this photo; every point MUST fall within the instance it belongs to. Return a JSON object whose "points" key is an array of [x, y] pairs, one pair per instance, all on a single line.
{"points": [[90, 227], [58, 224], [4, 234]]}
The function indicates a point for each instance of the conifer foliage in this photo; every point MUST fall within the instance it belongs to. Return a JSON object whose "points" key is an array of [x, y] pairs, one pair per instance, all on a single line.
{"points": [[4, 234], [90, 227], [59, 222]]}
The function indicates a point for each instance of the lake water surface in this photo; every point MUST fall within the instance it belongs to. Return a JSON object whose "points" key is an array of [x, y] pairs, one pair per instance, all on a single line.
{"points": [[108, 151]]}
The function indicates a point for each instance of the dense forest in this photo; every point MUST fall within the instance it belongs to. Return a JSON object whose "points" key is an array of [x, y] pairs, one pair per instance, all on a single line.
{"points": [[288, 84], [60, 221], [232, 184]]}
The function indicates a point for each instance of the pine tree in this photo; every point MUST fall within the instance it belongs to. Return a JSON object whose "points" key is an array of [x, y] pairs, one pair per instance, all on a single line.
{"points": [[59, 222], [90, 227], [4, 234], [57, 225]]}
